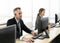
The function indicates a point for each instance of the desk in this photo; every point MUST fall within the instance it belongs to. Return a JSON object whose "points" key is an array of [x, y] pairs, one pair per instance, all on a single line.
{"points": [[53, 33]]}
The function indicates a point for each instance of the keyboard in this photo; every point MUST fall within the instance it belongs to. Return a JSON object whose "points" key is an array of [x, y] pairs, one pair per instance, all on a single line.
{"points": [[53, 25]]}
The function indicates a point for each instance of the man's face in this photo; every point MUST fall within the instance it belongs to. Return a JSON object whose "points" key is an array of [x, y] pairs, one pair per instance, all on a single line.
{"points": [[18, 13]]}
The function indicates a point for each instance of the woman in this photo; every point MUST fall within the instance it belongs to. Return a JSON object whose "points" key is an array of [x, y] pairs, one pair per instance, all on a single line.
{"points": [[38, 20]]}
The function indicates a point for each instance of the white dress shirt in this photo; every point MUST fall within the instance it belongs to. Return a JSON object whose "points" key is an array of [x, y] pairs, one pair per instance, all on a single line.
{"points": [[21, 38]]}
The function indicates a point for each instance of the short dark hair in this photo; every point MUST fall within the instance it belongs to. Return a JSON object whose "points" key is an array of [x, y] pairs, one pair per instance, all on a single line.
{"points": [[16, 8], [40, 10]]}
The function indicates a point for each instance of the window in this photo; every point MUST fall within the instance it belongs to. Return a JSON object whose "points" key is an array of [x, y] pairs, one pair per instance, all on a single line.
{"points": [[29, 8]]}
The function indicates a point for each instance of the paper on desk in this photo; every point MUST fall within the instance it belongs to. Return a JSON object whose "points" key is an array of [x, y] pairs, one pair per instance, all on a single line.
{"points": [[37, 41]]}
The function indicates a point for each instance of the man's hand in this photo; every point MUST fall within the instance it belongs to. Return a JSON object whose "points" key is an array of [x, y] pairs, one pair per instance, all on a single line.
{"points": [[28, 40], [34, 33]]}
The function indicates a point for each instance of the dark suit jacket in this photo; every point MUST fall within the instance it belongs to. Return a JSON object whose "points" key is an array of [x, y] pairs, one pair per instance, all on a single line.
{"points": [[23, 27]]}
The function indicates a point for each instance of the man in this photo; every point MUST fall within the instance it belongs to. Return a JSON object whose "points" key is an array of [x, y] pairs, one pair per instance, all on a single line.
{"points": [[19, 24]]}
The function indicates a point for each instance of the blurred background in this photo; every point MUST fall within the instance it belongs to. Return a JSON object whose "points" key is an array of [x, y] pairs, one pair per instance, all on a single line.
{"points": [[30, 10]]}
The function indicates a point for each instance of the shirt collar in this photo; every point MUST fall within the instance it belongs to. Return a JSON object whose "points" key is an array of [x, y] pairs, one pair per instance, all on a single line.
{"points": [[16, 20]]}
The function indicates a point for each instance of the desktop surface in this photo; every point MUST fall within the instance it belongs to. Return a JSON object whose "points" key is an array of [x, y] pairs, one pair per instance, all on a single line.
{"points": [[56, 39], [54, 32]]}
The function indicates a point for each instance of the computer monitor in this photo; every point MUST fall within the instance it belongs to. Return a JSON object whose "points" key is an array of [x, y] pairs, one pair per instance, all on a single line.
{"points": [[44, 22], [56, 18], [44, 26], [8, 34]]}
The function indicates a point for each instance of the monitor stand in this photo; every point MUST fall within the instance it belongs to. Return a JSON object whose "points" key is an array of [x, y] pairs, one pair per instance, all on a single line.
{"points": [[47, 34], [41, 36]]}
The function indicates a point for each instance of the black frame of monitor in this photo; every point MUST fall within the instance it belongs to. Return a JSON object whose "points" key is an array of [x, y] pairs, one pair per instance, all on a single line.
{"points": [[8, 34], [45, 30]]}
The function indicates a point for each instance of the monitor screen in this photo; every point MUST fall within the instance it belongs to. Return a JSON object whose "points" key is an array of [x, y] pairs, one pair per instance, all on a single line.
{"points": [[44, 24], [8, 34], [56, 18]]}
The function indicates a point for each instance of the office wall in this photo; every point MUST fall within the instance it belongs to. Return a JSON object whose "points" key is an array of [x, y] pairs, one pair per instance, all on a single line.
{"points": [[29, 8], [51, 8], [7, 6], [54, 9], [37, 4]]}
